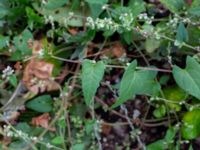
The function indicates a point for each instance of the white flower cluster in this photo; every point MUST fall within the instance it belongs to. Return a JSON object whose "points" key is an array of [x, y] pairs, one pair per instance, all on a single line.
{"points": [[127, 20], [174, 21], [9, 132], [145, 17], [102, 24], [7, 72]]}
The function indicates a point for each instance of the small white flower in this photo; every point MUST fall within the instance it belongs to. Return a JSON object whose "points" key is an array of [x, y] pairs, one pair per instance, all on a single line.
{"points": [[7, 72], [48, 145]]}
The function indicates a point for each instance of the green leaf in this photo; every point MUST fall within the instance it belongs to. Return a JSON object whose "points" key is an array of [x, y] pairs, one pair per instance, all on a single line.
{"points": [[53, 4], [80, 146], [96, 7], [194, 11], [160, 111], [191, 124], [13, 80], [182, 34], [41, 104], [62, 15], [189, 78], [137, 6], [151, 44], [21, 42], [92, 74], [158, 145], [174, 94], [4, 41], [131, 84], [173, 5], [170, 135], [190, 148], [57, 140]]}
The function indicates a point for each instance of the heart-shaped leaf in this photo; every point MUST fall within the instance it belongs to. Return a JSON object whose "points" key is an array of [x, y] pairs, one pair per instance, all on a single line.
{"points": [[189, 78], [92, 74]]}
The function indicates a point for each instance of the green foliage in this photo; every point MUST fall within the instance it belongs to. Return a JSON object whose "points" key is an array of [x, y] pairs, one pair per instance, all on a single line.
{"points": [[131, 84], [182, 34], [92, 74], [191, 124], [110, 50], [96, 7], [176, 95], [41, 104], [188, 78], [172, 5]]}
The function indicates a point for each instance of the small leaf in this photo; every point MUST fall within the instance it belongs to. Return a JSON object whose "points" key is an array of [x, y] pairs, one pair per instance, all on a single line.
{"points": [[182, 34], [189, 78], [4, 41], [57, 140], [92, 74], [176, 95], [160, 111], [191, 124], [13, 80], [170, 135], [190, 148], [80, 146], [40, 104], [151, 44], [158, 145]]}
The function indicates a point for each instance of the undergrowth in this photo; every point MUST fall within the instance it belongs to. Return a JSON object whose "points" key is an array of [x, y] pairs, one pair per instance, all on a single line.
{"points": [[99, 74]]}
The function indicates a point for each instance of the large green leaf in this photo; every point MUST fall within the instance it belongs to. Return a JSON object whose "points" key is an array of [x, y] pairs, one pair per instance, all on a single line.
{"points": [[191, 124], [96, 7], [136, 82], [92, 74], [41, 104], [173, 5], [189, 78]]}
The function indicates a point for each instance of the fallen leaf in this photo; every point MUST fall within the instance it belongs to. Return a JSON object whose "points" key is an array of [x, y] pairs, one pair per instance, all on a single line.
{"points": [[18, 66], [37, 76], [42, 121], [117, 50], [106, 129]]}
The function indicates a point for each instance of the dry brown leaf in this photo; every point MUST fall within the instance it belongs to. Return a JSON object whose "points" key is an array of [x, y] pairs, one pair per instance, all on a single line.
{"points": [[18, 66], [106, 129], [42, 121], [117, 50], [37, 73]]}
